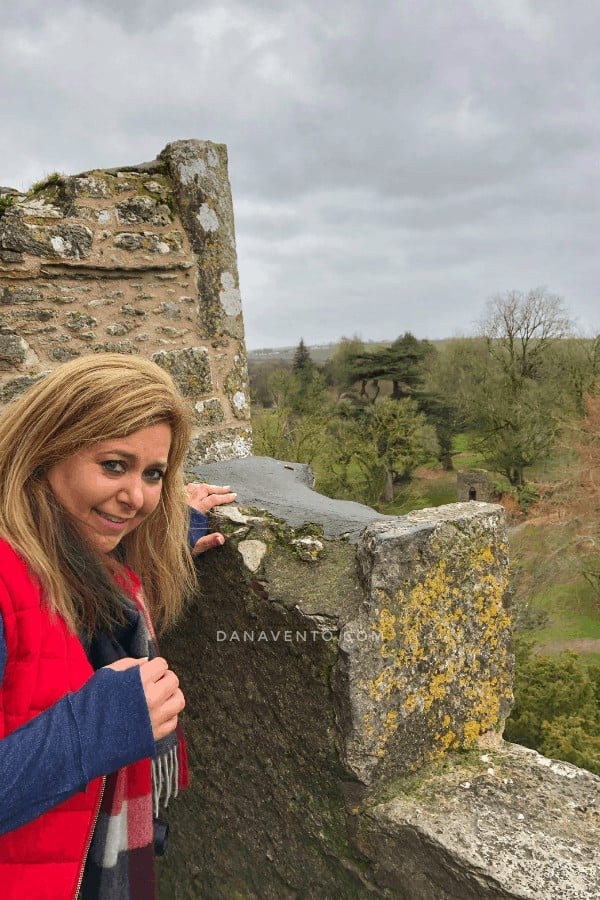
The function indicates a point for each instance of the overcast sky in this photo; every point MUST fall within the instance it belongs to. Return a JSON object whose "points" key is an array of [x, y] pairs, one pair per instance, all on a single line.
{"points": [[393, 164]]}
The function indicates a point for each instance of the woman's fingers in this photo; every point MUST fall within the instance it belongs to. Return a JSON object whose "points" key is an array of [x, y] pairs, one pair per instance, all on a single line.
{"points": [[205, 497], [163, 695], [208, 542]]}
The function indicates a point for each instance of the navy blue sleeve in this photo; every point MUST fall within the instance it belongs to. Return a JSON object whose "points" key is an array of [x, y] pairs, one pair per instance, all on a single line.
{"points": [[91, 732], [198, 526]]}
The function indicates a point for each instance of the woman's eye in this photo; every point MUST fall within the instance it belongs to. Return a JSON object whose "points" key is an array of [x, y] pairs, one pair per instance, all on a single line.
{"points": [[114, 466], [154, 474]]}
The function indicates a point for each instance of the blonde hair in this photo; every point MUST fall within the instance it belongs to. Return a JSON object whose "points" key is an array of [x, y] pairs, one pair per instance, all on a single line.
{"points": [[84, 401]]}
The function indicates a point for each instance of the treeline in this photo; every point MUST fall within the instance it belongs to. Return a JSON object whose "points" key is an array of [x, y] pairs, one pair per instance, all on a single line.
{"points": [[369, 416]]}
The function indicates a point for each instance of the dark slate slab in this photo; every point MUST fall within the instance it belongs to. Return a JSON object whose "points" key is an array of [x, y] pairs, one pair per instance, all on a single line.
{"points": [[285, 490]]}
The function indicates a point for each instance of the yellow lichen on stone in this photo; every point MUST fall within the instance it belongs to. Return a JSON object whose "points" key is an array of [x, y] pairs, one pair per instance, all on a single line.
{"points": [[471, 732], [444, 647], [386, 625]]}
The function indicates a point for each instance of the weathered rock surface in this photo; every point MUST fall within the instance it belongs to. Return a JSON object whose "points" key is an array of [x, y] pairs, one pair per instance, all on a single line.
{"points": [[506, 823], [294, 793]]}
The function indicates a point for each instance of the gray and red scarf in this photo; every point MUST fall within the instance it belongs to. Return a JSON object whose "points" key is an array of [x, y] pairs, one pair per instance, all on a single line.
{"points": [[120, 862]]}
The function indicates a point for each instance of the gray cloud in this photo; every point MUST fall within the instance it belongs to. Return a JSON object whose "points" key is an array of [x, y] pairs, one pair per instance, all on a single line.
{"points": [[392, 164]]}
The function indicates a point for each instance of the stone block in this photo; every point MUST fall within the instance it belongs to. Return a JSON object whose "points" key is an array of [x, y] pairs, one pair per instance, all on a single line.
{"points": [[149, 242], [118, 329], [115, 347], [13, 351], [20, 296], [439, 674], [236, 388], [53, 241], [77, 321], [507, 823], [208, 412], [135, 311], [189, 369], [15, 386], [63, 354], [143, 210], [229, 443], [95, 186]]}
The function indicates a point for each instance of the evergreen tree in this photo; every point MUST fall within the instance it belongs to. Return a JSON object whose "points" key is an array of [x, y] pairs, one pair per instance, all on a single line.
{"points": [[302, 358]]}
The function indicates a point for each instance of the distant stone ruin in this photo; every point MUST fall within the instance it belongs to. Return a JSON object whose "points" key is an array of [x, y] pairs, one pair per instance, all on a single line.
{"points": [[474, 484], [139, 259]]}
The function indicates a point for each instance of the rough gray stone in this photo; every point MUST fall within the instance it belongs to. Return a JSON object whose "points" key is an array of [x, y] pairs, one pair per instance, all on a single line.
{"points": [[173, 333], [168, 310], [439, 674], [10, 256], [149, 242], [20, 296], [115, 347], [134, 311], [63, 354], [208, 412], [53, 241], [16, 386], [25, 314], [506, 823], [13, 350], [236, 387], [139, 210], [198, 170], [77, 321], [117, 329], [189, 368], [229, 443], [91, 186]]}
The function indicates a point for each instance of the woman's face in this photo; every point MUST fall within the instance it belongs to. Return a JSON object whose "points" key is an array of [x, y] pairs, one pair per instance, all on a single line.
{"points": [[110, 487]]}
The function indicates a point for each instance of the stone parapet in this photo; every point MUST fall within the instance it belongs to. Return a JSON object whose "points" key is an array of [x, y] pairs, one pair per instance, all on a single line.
{"points": [[346, 682], [137, 260]]}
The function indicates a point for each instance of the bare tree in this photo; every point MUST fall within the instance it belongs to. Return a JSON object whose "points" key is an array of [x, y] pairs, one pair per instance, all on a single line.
{"points": [[519, 328]]}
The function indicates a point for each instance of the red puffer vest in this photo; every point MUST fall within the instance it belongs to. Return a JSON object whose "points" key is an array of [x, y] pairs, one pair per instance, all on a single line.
{"points": [[42, 860]]}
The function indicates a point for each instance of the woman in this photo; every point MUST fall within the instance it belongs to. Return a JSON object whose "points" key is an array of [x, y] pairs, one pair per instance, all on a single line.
{"points": [[92, 517]]}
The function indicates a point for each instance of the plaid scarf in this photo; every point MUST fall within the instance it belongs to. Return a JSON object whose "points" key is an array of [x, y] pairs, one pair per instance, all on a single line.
{"points": [[120, 861]]}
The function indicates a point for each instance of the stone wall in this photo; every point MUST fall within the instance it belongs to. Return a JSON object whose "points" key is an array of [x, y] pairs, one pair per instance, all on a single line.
{"points": [[347, 680], [139, 259]]}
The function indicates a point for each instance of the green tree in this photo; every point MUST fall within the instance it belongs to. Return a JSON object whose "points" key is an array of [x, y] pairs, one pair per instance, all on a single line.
{"points": [[557, 707], [370, 447], [259, 374], [399, 432], [338, 368], [513, 403], [302, 358], [402, 363]]}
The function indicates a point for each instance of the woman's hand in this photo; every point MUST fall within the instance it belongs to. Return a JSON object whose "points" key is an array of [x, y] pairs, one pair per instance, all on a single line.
{"points": [[161, 688], [205, 497]]}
